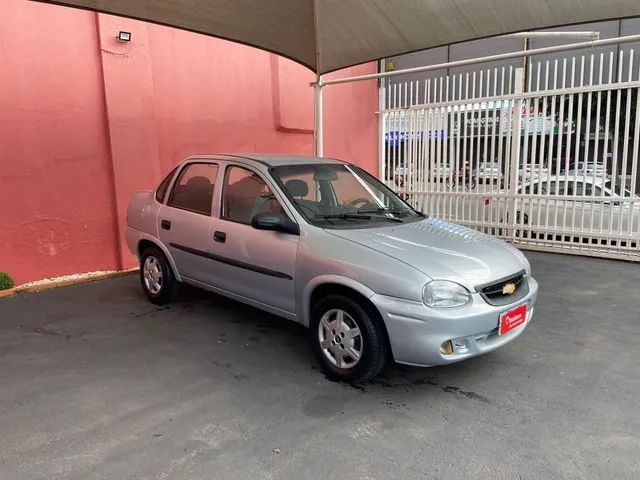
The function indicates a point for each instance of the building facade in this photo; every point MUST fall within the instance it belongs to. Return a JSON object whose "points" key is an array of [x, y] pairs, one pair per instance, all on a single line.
{"points": [[603, 123], [85, 120]]}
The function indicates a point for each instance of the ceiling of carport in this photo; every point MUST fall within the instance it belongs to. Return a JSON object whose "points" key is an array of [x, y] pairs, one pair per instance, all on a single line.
{"points": [[327, 35]]}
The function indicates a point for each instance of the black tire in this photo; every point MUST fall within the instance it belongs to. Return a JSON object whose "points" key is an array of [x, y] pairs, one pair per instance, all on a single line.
{"points": [[168, 281], [372, 337]]}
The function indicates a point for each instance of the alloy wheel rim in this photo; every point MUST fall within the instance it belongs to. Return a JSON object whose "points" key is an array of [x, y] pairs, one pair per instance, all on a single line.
{"points": [[152, 274], [340, 338]]}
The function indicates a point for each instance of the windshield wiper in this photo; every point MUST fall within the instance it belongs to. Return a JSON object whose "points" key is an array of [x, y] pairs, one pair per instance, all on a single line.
{"points": [[391, 219], [345, 216], [393, 211], [357, 216], [378, 213]]}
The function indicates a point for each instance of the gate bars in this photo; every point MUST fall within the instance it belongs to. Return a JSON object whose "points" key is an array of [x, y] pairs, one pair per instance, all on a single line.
{"points": [[552, 165]]}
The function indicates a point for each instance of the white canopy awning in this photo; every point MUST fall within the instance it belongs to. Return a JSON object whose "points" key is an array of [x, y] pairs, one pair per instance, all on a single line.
{"points": [[327, 35]]}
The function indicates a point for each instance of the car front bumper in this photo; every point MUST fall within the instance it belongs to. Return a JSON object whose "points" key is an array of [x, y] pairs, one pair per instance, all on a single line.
{"points": [[416, 331]]}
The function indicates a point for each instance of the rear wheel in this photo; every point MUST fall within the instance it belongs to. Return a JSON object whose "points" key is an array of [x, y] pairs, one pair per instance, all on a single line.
{"points": [[347, 340], [156, 276]]}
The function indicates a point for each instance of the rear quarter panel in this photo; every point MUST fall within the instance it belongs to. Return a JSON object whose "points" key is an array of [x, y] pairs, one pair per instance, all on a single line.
{"points": [[142, 214]]}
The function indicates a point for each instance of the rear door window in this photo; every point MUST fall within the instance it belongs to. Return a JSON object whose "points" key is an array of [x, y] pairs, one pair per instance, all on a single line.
{"points": [[193, 189], [161, 192]]}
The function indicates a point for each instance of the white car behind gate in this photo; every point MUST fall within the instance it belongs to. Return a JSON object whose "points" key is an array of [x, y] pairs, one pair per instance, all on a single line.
{"points": [[580, 208]]}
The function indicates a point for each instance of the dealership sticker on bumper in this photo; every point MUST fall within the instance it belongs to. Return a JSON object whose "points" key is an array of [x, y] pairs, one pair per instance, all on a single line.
{"points": [[512, 319]]}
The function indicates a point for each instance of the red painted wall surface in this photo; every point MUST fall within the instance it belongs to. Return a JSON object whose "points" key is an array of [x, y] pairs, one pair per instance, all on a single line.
{"points": [[86, 120]]}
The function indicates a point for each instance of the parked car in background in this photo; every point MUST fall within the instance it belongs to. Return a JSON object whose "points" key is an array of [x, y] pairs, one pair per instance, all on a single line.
{"points": [[488, 172], [531, 172], [401, 169], [587, 169], [439, 172], [580, 205], [323, 243], [400, 174]]}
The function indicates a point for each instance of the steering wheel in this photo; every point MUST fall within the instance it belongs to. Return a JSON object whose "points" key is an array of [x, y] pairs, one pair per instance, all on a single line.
{"points": [[363, 201]]}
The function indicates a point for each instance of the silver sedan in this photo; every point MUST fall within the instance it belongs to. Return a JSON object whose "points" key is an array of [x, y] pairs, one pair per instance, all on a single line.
{"points": [[323, 243]]}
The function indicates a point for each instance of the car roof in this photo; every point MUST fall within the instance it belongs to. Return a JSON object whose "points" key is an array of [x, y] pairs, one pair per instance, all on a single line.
{"points": [[269, 159]]}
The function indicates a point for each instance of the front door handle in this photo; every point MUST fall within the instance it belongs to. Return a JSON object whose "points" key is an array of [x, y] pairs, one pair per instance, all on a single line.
{"points": [[165, 224], [219, 237]]}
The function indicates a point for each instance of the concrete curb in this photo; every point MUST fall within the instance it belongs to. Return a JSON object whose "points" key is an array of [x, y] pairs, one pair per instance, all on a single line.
{"points": [[64, 283]]}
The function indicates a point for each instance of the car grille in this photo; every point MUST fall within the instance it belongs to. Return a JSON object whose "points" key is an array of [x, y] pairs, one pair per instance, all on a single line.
{"points": [[494, 293]]}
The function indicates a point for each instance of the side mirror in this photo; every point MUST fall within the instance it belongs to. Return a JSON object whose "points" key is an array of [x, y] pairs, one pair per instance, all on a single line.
{"points": [[278, 222]]}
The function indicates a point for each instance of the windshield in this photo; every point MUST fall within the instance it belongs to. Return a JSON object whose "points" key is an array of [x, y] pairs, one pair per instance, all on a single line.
{"points": [[341, 196], [618, 189]]}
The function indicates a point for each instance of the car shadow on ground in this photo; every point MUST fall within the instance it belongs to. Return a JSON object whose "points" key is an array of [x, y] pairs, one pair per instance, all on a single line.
{"points": [[227, 322]]}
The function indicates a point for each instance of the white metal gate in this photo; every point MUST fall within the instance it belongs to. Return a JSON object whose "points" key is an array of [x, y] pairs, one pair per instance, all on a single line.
{"points": [[550, 162]]}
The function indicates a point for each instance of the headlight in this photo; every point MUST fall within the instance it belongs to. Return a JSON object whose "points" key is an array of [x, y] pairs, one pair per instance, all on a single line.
{"points": [[445, 294]]}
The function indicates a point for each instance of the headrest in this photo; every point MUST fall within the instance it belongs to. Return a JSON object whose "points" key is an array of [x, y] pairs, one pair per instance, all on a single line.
{"points": [[297, 188], [199, 183]]}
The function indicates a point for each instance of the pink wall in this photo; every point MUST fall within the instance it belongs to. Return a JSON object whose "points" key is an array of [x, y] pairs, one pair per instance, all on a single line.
{"points": [[86, 120]]}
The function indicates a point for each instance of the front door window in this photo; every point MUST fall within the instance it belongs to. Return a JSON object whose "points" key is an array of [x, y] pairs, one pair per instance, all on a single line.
{"points": [[245, 194]]}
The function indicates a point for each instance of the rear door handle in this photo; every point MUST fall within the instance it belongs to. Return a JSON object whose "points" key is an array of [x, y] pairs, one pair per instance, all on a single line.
{"points": [[165, 224], [219, 237]]}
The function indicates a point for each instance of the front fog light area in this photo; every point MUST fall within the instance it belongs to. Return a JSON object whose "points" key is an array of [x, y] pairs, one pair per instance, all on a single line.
{"points": [[445, 294], [446, 348], [458, 346]]}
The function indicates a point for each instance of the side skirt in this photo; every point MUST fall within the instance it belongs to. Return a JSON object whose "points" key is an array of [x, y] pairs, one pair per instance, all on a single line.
{"points": [[267, 308]]}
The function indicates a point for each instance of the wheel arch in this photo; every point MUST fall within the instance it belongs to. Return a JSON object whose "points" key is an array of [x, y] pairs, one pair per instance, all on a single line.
{"points": [[336, 284], [148, 241]]}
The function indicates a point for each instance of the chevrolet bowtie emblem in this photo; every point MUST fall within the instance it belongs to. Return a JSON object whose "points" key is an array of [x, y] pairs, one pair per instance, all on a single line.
{"points": [[509, 288]]}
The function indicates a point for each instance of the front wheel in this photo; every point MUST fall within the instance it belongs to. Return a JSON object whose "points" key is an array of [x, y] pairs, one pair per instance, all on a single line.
{"points": [[347, 340]]}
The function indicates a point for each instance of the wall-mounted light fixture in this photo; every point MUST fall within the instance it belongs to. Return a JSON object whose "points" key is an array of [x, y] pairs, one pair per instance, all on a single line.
{"points": [[124, 36]]}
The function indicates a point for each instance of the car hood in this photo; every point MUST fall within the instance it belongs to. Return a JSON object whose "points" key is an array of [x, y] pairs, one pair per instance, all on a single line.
{"points": [[442, 250]]}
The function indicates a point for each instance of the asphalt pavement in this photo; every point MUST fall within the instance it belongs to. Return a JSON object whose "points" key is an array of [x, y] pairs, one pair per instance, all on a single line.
{"points": [[97, 383]]}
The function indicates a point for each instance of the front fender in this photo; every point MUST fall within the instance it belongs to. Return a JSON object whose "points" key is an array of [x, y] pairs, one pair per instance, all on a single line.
{"points": [[304, 307]]}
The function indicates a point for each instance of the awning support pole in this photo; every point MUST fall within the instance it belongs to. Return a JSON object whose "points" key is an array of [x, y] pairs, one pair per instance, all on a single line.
{"points": [[318, 133]]}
